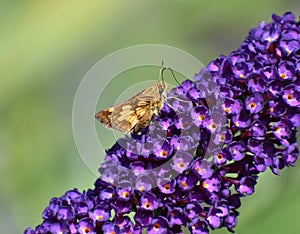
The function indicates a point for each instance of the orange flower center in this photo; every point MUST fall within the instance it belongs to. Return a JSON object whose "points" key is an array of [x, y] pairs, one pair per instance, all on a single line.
{"points": [[252, 105], [220, 156], [148, 204], [156, 226], [163, 153], [290, 97], [283, 75]]}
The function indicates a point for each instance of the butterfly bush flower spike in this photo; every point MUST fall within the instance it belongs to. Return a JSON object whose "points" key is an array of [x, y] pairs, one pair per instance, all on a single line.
{"points": [[176, 182]]}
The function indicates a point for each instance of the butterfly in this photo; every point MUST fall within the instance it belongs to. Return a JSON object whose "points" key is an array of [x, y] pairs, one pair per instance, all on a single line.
{"points": [[136, 113]]}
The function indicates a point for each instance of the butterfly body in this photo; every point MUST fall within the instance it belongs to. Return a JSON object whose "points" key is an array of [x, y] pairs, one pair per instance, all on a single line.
{"points": [[137, 112]]}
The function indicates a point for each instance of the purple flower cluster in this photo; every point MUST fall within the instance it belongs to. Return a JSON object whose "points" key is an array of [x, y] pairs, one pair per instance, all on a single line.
{"points": [[194, 174]]}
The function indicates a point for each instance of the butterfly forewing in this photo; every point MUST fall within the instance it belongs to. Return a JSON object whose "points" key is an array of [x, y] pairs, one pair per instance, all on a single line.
{"points": [[137, 112]]}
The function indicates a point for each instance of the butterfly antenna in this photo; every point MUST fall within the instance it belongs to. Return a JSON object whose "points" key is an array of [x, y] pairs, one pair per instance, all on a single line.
{"points": [[161, 71], [161, 75], [172, 72]]}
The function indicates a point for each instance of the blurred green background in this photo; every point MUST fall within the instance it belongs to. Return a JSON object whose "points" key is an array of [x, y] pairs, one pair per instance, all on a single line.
{"points": [[46, 47]]}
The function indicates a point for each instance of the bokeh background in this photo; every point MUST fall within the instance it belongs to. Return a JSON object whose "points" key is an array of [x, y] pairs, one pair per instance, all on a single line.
{"points": [[46, 48]]}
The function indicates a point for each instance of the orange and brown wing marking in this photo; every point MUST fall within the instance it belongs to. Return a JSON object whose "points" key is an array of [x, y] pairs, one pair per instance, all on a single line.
{"points": [[104, 116], [145, 115], [123, 118]]}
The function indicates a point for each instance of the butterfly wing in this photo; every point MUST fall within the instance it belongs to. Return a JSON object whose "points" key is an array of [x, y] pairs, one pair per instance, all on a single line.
{"points": [[128, 116], [145, 114], [117, 117], [134, 114]]}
